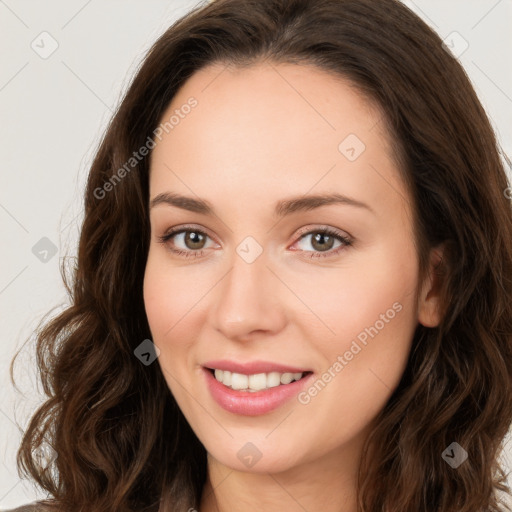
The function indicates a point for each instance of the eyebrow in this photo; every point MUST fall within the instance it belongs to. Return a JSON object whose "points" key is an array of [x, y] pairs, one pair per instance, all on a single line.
{"points": [[282, 208]]}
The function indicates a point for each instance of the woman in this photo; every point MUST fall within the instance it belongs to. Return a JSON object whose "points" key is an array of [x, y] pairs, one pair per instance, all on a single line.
{"points": [[294, 278]]}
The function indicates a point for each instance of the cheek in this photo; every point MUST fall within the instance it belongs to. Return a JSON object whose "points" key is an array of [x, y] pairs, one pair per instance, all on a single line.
{"points": [[363, 365], [359, 295], [169, 296], [158, 301], [164, 309], [374, 320], [370, 312], [176, 311]]}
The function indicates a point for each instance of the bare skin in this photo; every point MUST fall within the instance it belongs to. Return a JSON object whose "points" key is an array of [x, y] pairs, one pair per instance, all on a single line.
{"points": [[260, 135]]}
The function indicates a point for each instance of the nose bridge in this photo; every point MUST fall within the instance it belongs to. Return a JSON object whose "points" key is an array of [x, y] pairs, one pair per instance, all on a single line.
{"points": [[247, 280], [244, 301]]}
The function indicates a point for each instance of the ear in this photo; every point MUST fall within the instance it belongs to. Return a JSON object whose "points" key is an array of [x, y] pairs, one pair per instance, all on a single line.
{"points": [[429, 313]]}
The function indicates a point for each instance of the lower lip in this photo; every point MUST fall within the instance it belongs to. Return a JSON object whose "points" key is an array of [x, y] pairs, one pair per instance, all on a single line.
{"points": [[248, 403]]}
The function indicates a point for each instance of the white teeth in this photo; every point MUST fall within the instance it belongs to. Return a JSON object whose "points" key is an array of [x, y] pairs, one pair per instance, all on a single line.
{"points": [[255, 382], [286, 378], [239, 381], [273, 379], [258, 381]]}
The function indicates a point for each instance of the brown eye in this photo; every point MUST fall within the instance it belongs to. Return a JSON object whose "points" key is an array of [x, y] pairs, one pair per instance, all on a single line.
{"points": [[322, 243], [185, 241], [194, 239]]}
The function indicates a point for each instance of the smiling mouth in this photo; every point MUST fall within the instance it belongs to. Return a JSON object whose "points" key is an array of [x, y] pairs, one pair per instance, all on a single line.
{"points": [[255, 382]]}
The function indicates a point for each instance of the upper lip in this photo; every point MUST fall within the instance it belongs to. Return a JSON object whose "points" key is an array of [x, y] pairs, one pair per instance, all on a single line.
{"points": [[252, 367]]}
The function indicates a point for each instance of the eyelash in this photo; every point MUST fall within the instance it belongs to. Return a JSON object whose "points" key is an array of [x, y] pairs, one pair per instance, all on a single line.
{"points": [[346, 242]]}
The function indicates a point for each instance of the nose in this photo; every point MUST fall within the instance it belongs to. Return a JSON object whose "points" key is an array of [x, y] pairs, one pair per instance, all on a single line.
{"points": [[248, 300]]}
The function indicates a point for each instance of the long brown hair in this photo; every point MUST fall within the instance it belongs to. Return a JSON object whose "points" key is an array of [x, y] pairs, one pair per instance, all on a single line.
{"points": [[122, 442]]}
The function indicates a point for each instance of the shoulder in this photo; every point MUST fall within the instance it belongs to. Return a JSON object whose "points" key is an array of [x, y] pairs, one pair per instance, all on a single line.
{"points": [[36, 506]]}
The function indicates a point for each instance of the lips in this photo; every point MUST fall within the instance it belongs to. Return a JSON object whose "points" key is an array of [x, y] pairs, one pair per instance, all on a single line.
{"points": [[252, 402]]}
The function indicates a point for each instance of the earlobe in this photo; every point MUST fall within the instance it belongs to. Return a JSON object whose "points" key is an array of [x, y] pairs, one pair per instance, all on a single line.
{"points": [[429, 314]]}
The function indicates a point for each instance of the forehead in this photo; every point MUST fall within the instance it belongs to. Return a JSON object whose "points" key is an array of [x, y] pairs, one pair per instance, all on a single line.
{"points": [[272, 127]]}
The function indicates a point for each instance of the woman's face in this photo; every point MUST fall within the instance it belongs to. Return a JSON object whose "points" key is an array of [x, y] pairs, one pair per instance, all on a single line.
{"points": [[263, 293]]}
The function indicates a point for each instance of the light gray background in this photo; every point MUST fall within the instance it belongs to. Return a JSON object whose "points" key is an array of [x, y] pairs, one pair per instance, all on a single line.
{"points": [[53, 112]]}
